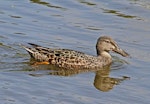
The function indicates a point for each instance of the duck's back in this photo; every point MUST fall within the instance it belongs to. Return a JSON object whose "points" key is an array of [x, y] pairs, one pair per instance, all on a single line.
{"points": [[65, 58]]}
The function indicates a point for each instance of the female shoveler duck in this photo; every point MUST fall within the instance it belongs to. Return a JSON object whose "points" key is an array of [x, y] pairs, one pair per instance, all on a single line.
{"points": [[70, 59]]}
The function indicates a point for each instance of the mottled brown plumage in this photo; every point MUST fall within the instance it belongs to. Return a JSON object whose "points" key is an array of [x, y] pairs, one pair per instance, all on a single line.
{"points": [[70, 59]]}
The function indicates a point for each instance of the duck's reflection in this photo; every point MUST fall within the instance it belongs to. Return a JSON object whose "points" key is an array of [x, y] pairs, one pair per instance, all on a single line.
{"points": [[102, 80]]}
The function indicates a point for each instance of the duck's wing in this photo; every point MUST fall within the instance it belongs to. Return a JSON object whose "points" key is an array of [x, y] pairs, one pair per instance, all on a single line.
{"points": [[63, 58], [34, 45], [40, 53]]}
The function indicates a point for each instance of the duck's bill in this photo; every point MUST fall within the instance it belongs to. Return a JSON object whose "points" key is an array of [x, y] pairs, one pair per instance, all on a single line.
{"points": [[121, 52]]}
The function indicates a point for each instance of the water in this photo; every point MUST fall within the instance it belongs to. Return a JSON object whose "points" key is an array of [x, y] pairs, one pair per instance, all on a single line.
{"points": [[74, 24]]}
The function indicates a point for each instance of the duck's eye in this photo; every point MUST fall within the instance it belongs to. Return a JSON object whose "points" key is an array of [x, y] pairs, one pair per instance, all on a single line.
{"points": [[107, 41]]}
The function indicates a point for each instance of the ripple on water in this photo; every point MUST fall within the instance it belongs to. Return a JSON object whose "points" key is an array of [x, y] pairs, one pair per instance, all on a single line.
{"points": [[74, 24]]}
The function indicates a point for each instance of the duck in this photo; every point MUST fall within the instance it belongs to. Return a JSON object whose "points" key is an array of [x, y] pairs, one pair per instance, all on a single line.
{"points": [[72, 59]]}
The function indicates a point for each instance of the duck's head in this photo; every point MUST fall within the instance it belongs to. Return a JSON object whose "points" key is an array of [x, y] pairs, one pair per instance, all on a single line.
{"points": [[106, 44]]}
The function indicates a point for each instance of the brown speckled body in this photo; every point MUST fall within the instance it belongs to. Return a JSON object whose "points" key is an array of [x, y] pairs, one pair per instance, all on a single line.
{"points": [[70, 59]]}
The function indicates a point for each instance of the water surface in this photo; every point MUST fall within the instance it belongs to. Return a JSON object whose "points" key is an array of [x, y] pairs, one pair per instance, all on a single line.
{"points": [[74, 24]]}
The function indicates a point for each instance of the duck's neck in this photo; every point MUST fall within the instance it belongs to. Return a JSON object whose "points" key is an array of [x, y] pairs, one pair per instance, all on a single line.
{"points": [[104, 54]]}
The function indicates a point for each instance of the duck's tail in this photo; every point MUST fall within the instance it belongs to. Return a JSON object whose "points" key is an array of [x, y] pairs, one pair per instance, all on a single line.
{"points": [[28, 49]]}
